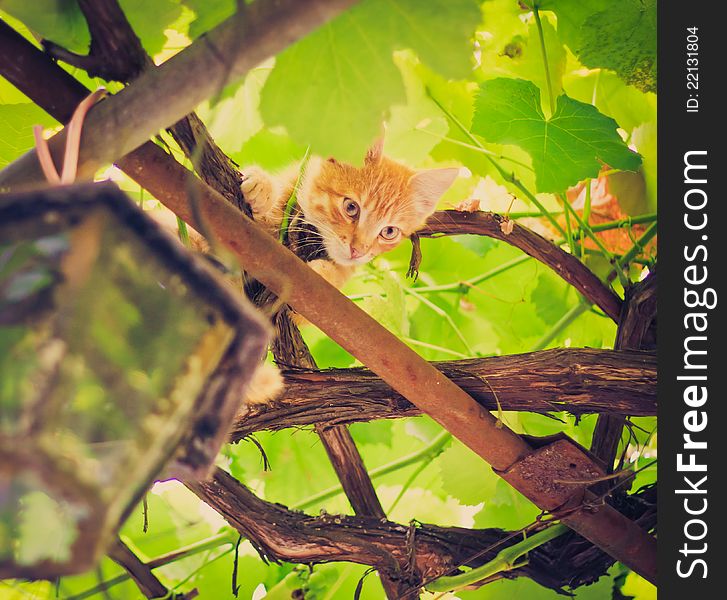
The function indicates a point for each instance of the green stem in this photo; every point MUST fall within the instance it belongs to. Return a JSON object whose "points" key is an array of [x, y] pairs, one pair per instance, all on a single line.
{"points": [[562, 325], [509, 177], [637, 220], [202, 566], [442, 313], [202, 546], [637, 248], [460, 287], [293, 200], [586, 215], [531, 214], [587, 229], [541, 35], [425, 454], [569, 233], [479, 149], [601, 246], [504, 561], [183, 233], [423, 465], [434, 347]]}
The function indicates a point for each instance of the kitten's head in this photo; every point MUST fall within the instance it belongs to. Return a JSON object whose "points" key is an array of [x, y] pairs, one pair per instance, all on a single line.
{"points": [[364, 211]]}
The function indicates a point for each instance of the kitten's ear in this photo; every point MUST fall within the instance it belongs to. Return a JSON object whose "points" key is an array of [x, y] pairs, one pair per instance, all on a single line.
{"points": [[428, 186], [376, 151]]}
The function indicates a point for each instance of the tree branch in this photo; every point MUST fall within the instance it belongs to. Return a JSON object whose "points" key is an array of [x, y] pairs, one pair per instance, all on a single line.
{"points": [[290, 348], [116, 53], [147, 582], [279, 534], [453, 222], [580, 381], [636, 330]]}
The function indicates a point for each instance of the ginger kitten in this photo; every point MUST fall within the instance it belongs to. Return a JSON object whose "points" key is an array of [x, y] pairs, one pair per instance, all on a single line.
{"points": [[359, 212]]}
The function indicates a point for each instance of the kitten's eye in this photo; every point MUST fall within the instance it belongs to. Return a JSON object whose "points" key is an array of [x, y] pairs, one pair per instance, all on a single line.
{"points": [[351, 208], [389, 232]]}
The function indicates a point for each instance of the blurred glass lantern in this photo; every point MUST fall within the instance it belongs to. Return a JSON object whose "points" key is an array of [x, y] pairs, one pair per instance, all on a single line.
{"points": [[122, 358]]}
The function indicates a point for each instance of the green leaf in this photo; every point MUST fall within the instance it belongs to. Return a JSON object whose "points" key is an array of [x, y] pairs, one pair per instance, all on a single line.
{"points": [[269, 150], [609, 94], [391, 310], [417, 126], [571, 16], [623, 38], [375, 432], [208, 14], [16, 129], [149, 20], [572, 145], [234, 118], [479, 244], [521, 55], [638, 588], [332, 89], [9, 94], [614, 35], [466, 476], [60, 21], [299, 466], [549, 297], [644, 138]]}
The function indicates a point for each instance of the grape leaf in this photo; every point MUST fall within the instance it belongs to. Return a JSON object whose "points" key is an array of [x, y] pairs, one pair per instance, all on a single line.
{"points": [[571, 16], [272, 151], [479, 244], [415, 128], [505, 507], [465, 476], [614, 35], [391, 310], [544, 297], [375, 432], [644, 138], [638, 588], [208, 14], [60, 21], [331, 89], [609, 94], [516, 49], [16, 129], [570, 146], [623, 38], [149, 20], [234, 118]]}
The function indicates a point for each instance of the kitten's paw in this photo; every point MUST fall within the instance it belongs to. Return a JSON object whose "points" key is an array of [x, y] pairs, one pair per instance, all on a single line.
{"points": [[332, 272], [265, 386], [257, 187]]}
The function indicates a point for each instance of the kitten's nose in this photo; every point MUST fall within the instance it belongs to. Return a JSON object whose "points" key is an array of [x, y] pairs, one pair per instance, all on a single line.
{"points": [[355, 252]]}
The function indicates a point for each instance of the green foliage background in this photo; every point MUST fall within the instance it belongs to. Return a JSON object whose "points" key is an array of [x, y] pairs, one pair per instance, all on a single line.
{"points": [[458, 82]]}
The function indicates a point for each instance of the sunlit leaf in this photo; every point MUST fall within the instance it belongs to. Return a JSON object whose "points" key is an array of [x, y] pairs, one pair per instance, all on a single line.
{"points": [[574, 143], [356, 80], [16, 129]]}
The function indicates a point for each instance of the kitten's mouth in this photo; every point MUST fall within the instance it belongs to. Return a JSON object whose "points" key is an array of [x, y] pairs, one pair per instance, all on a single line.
{"points": [[353, 261], [343, 258]]}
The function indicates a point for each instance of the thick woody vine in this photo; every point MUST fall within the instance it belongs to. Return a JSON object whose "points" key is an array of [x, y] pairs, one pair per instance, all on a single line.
{"points": [[407, 385]]}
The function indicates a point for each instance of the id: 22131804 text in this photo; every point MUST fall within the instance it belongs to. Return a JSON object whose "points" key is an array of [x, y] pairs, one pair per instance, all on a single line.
{"points": [[692, 47]]}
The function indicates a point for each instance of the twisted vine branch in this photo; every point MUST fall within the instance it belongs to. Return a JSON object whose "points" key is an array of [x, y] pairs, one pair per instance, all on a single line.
{"points": [[579, 381]]}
